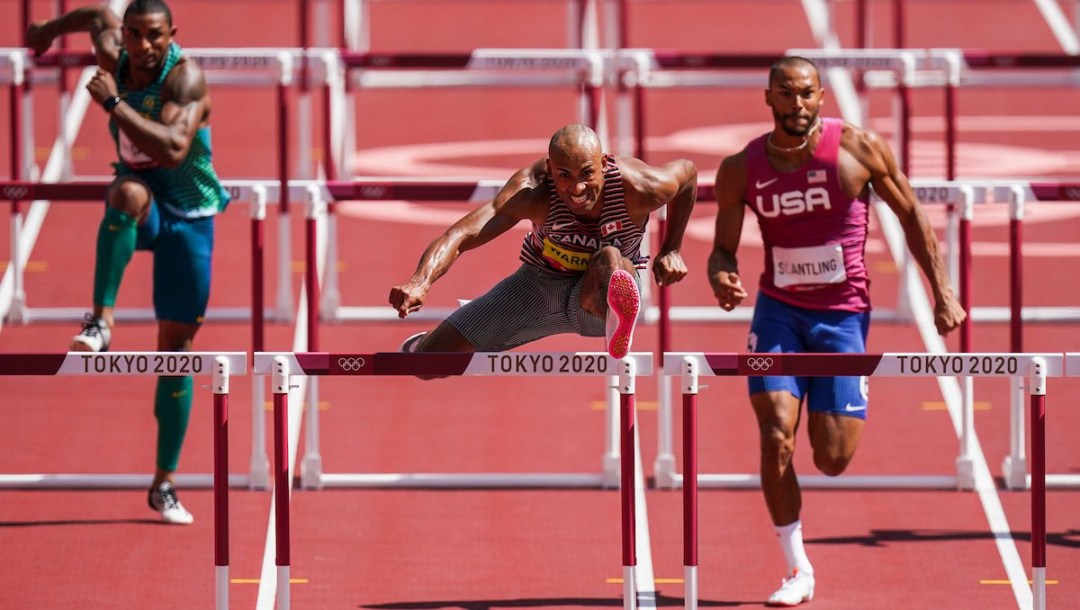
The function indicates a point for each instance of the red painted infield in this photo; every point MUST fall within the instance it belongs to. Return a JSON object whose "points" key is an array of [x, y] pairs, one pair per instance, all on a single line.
{"points": [[401, 549]]}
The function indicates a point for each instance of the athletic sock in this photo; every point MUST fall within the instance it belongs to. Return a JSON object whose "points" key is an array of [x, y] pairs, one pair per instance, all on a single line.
{"points": [[791, 543], [115, 245], [172, 408]]}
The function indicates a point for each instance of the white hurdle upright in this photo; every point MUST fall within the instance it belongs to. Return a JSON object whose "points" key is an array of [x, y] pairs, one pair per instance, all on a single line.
{"points": [[1036, 368], [219, 366], [283, 365]]}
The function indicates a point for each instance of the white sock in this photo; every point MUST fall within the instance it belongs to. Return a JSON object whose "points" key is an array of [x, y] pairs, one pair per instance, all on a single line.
{"points": [[791, 544]]}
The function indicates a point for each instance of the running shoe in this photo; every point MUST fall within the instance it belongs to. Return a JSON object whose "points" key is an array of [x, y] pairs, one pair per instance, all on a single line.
{"points": [[794, 590], [623, 303], [411, 344], [163, 499], [94, 336]]}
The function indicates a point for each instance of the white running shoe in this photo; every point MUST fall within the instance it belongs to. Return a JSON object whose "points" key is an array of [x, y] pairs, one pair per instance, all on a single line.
{"points": [[410, 344], [164, 500], [623, 303], [94, 336], [794, 590]]}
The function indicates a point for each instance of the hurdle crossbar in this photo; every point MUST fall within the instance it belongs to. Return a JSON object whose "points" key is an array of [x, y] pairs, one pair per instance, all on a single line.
{"points": [[689, 367], [282, 365]]}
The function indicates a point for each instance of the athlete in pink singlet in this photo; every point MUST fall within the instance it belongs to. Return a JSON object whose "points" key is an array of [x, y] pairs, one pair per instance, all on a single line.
{"points": [[808, 182]]}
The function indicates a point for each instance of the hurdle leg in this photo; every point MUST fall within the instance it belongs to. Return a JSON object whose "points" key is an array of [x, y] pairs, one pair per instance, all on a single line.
{"points": [[609, 473], [311, 465], [282, 484], [221, 481], [627, 489], [1014, 467], [690, 483], [1037, 370]]}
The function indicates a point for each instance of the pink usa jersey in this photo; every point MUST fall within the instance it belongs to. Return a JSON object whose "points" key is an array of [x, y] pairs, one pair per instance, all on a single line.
{"points": [[814, 235]]}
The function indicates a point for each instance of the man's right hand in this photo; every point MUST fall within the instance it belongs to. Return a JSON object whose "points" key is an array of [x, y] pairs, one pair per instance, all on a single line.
{"points": [[407, 298], [37, 39], [728, 289]]}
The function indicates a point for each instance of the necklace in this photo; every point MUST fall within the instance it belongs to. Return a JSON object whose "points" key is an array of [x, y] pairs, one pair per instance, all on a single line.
{"points": [[792, 149]]}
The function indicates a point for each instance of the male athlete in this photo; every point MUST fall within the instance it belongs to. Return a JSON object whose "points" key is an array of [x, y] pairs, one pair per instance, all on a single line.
{"points": [[580, 262], [808, 182], [163, 199]]}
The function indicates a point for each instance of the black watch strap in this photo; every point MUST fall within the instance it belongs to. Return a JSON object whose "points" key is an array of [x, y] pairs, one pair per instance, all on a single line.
{"points": [[111, 103]]}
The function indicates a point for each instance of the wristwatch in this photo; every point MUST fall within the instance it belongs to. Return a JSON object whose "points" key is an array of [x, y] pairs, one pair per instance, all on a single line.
{"points": [[111, 103]]}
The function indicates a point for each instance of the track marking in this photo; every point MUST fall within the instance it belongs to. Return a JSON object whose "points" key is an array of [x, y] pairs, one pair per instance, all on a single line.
{"points": [[938, 405], [255, 581], [641, 405]]}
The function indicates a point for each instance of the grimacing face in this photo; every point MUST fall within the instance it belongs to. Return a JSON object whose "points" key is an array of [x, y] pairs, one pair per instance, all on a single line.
{"points": [[795, 97], [146, 39], [578, 174]]}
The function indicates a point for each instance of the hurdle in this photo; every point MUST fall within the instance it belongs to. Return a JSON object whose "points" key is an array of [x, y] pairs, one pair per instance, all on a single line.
{"points": [[283, 365], [690, 367], [219, 366]]}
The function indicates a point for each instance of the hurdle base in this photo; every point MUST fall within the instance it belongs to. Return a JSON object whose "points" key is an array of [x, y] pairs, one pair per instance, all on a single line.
{"points": [[666, 476], [1015, 472], [311, 472], [468, 480], [753, 481], [76, 314], [110, 481], [965, 474]]}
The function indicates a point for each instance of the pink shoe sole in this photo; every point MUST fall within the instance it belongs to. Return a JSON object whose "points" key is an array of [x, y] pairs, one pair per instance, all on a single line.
{"points": [[624, 301]]}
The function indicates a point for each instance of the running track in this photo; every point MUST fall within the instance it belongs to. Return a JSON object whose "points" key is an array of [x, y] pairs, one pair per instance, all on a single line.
{"points": [[535, 548]]}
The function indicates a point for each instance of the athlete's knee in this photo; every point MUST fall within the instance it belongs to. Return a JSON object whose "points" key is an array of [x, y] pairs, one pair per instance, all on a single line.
{"points": [[831, 461], [777, 445], [131, 197]]}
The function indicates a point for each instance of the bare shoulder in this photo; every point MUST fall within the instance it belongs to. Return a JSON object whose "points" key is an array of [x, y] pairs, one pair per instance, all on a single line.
{"points": [[656, 182], [731, 176], [525, 194], [185, 83], [866, 146]]}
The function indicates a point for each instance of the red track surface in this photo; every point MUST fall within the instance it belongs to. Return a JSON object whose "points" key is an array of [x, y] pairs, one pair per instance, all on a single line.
{"points": [[541, 548]]}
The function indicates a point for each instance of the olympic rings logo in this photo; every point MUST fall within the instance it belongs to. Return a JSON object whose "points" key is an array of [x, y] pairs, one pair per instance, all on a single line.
{"points": [[16, 192], [373, 192], [759, 364], [351, 365]]}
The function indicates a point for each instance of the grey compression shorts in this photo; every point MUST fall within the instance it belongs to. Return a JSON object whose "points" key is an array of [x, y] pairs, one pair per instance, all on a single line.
{"points": [[529, 304]]}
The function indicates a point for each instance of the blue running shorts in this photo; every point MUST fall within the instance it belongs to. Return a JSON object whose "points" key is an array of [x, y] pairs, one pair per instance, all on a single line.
{"points": [[182, 249], [781, 328]]}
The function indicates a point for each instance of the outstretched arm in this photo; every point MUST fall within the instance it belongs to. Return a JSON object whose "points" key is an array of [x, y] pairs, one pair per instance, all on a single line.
{"points": [[674, 185], [102, 24], [892, 186], [517, 200], [723, 268]]}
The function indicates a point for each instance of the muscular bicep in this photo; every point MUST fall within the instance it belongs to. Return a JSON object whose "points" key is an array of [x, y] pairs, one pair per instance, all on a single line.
{"points": [[107, 38], [885, 176], [517, 200], [186, 104], [730, 191]]}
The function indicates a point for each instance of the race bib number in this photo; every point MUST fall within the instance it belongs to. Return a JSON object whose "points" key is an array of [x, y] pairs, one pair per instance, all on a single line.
{"points": [[561, 258], [810, 265], [132, 156]]}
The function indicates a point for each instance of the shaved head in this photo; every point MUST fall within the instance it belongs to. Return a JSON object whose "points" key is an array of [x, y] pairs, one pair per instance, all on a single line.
{"points": [[778, 68], [574, 138]]}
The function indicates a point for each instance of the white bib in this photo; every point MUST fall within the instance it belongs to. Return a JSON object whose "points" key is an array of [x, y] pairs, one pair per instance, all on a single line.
{"points": [[130, 154], [810, 265]]}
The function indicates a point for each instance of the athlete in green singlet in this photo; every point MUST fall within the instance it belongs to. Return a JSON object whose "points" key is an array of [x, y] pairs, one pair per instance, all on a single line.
{"points": [[163, 199]]}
